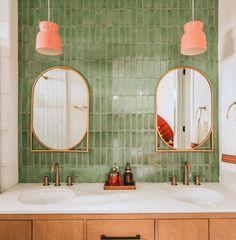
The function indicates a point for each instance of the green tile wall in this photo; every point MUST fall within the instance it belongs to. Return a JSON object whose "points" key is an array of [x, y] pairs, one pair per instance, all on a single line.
{"points": [[122, 47]]}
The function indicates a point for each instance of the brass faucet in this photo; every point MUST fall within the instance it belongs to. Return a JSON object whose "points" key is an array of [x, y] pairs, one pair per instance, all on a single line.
{"points": [[56, 165], [187, 169]]}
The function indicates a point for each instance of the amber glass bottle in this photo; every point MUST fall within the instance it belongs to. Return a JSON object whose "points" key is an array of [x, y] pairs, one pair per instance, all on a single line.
{"points": [[128, 175]]}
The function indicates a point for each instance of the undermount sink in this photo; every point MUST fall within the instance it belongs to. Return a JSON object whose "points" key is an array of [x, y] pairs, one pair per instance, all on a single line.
{"points": [[46, 196], [198, 195]]}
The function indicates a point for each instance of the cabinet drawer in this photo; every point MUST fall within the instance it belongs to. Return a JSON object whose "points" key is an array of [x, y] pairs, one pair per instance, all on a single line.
{"points": [[184, 229], [120, 228], [15, 230], [222, 229], [58, 230]]}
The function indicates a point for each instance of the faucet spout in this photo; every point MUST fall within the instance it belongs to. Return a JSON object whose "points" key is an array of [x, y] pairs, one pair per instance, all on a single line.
{"points": [[55, 165], [187, 169]]}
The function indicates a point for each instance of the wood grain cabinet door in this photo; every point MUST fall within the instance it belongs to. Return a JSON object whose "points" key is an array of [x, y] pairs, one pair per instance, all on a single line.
{"points": [[222, 229], [58, 230], [120, 228], [188, 229], [15, 230]]}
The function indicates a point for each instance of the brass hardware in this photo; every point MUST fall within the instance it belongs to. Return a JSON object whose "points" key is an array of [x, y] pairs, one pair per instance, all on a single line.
{"points": [[32, 131], [45, 77], [56, 165], [187, 169], [103, 237], [230, 106], [197, 180], [80, 108], [69, 180], [45, 181], [201, 109], [159, 139], [173, 180]]}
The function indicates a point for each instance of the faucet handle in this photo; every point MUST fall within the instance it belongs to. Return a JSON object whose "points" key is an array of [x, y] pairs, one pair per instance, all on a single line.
{"points": [[45, 181], [173, 180], [69, 180], [197, 180]]}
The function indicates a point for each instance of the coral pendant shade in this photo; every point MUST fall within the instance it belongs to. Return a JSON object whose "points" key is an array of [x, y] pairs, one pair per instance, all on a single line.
{"points": [[48, 41], [193, 41]]}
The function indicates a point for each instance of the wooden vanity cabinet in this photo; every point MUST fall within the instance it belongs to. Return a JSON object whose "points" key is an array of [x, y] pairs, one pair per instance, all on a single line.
{"points": [[182, 229], [163, 226], [15, 230], [120, 228], [58, 230], [222, 229]]}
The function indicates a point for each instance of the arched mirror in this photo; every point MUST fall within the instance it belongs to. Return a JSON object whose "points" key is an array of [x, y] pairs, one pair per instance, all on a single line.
{"points": [[184, 111], [60, 111]]}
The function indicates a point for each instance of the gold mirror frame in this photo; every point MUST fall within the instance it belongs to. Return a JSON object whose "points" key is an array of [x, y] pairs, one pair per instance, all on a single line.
{"points": [[210, 133], [33, 135]]}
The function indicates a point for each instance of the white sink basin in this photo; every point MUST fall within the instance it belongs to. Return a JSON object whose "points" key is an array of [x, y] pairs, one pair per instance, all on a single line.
{"points": [[198, 195], [46, 196]]}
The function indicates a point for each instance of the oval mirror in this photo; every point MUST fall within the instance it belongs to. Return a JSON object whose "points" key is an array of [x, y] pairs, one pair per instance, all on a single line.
{"points": [[183, 110], [60, 109]]}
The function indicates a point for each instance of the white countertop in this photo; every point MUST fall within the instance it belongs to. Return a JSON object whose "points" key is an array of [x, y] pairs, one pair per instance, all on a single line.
{"points": [[91, 198]]}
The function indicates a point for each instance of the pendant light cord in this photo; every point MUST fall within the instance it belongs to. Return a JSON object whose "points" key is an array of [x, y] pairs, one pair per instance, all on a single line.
{"points": [[192, 10], [49, 10]]}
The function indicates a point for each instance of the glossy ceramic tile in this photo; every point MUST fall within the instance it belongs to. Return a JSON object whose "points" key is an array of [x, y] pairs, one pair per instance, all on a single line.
{"points": [[122, 47]]}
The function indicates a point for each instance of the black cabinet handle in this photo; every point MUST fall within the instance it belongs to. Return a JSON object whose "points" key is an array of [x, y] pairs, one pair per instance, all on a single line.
{"points": [[103, 237]]}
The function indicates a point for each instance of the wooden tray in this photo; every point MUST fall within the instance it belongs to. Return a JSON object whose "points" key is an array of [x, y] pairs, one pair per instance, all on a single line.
{"points": [[119, 187]]}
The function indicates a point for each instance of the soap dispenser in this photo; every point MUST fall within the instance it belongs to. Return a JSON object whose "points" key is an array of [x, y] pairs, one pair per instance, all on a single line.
{"points": [[128, 175], [114, 176]]}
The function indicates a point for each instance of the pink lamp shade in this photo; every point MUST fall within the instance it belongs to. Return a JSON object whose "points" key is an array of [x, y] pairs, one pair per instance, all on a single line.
{"points": [[48, 41], [193, 41]]}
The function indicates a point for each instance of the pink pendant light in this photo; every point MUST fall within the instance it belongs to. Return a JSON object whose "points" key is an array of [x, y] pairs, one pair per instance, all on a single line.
{"points": [[48, 41], [193, 41]]}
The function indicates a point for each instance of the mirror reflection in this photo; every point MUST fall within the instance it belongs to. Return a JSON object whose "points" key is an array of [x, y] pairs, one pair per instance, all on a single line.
{"points": [[183, 108], [60, 102]]}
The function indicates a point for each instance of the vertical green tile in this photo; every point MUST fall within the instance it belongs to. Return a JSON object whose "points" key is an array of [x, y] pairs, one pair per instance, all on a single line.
{"points": [[122, 47]]}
